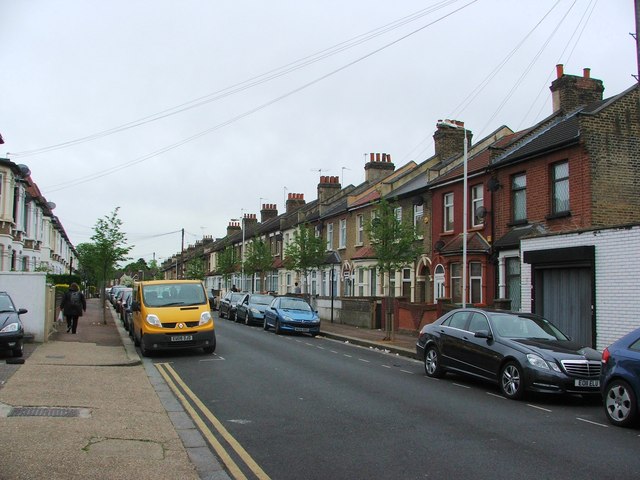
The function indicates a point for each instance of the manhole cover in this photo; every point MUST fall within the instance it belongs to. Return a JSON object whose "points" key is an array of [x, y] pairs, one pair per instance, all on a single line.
{"points": [[44, 412]]}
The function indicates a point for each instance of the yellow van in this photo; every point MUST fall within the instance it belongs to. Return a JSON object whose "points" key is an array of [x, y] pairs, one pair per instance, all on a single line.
{"points": [[172, 314]]}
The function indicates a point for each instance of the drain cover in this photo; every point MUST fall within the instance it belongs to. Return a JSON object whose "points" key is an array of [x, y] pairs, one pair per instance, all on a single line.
{"points": [[44, 412]]}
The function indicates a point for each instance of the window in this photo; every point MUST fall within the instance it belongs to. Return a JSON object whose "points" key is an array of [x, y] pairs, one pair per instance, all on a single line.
{"points": [[560, 187], [373, 276], [478, 322], [519, 197], [456, 282], [286, 240], [512, 277], [418, 213], [314, 282], [475, 282], [398, 214], [330, 236], [406, 283], [448, 212], [458, 320], [361, 281], [343, 233], [477, 201], [360, 226]]}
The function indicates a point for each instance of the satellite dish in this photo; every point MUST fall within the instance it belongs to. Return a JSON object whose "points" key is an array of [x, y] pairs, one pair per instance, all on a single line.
{"points": [[493, 184], [418, 200], [438, 246], [51, 205], [24, 170], [481, 212]]}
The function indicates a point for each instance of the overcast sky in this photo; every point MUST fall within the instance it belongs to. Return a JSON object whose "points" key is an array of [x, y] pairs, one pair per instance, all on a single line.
{"points": [[281, 93]]}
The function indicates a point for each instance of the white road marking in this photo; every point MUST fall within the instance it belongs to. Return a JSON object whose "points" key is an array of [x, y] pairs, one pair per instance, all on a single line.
{"points": [[539, 408], [463, 386], [592, 423]]}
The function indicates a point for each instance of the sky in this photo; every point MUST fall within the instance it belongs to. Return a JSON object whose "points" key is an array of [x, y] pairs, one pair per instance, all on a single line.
{"points": [[186, 115]]}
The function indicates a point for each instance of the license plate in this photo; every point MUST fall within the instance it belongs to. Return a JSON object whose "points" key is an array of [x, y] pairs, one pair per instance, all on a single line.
{"points": [[588, 383], [181, 338], [299, 329]]}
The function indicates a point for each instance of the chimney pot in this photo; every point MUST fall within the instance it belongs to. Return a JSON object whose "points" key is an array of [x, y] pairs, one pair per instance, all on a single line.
{"points": [[559, 70], [586, 73], [372, 157]]}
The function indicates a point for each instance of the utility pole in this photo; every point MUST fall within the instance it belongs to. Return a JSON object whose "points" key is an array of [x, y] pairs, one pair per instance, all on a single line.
{"points": [[637, 37], [182, 256]]}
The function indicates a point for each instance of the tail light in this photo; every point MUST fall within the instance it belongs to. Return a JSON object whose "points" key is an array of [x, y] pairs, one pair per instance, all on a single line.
{"points": [[605, 356]]}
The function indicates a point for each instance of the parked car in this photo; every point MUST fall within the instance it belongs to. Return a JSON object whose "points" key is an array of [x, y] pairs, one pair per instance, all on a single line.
{"points": [[229, 304], [11, 328], [113, 293], [520, 352], [620, 380], [121, 297], [125, 309], [291, 314], [251, 308]]}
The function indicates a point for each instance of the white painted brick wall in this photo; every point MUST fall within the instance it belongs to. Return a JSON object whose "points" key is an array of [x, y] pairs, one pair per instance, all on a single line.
{"points": [[617, 277]]}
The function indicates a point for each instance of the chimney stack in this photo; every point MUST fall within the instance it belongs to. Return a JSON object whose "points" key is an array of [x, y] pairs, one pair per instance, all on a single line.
{"points": [[449, 139], [327, 188], [378, 167], [269, 211], [294, 202], [569, 92], [233, 227]]}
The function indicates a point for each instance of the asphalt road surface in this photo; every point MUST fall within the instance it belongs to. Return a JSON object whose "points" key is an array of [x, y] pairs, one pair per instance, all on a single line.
{"points": [[296, 407]]}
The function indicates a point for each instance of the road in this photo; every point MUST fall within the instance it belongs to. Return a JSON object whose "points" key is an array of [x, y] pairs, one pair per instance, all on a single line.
{"points": [[297, 407]]}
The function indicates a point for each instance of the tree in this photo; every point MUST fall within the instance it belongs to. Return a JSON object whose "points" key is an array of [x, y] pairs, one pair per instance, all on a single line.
{"points": [[306, 252], [258, 259], [109, 248], [227, 262], [194, 269], [394, 243]]}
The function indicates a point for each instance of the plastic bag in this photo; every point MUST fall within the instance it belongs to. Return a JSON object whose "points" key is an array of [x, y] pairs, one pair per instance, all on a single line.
{"points": [[60, 317]]}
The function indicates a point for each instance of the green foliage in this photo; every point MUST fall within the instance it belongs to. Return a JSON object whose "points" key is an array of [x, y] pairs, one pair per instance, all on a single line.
{"points": [[64, 279], [194, 269], [393, 240], [227, 262], [126, 280], [258, 258], [305, 252]]}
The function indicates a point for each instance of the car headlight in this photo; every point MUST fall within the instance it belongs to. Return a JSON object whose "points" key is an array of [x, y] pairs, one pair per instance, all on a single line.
{"points": [[12, 327], [537, 361], [255, 311], [287, 319], [153, 320], [205, 317]]}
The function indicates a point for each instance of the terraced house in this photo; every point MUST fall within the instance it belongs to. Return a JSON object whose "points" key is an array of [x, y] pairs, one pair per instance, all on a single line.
{"points": [[31, 236], [538, 203]]}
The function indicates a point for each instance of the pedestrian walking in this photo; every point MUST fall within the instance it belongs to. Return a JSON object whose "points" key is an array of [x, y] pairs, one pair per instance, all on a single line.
{"points": [[297, 289], [72, 306]]}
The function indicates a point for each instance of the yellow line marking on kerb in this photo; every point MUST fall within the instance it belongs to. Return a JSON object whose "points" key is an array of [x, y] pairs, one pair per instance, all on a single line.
{"points": [[169, 375]]}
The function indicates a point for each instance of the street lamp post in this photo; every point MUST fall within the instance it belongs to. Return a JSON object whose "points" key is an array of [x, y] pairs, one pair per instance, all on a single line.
{"points": [[465, 213]]}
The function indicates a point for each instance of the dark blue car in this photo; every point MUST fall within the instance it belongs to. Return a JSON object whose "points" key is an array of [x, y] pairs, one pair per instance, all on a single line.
{"points": [[11, 329], [620, 380], [291, 314]]}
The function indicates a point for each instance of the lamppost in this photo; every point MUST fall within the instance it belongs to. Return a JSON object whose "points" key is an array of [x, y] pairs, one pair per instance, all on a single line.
{"points": [[465, 214]]}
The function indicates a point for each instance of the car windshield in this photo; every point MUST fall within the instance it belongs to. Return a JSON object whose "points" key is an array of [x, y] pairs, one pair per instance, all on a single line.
{"points": [[236, 297], [6, 305], [515, 326], [169, 295], [261, 299], [295, 304]]}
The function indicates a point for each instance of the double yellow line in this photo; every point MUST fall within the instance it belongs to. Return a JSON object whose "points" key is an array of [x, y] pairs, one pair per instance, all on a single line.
{"points": [[173, 380]]}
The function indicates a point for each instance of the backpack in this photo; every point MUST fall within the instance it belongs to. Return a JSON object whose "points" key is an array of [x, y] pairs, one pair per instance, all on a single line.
{"points": [[75, 300]]}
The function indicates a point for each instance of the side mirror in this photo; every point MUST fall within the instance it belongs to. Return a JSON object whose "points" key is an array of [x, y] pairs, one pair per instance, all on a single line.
{"points": [[22, 311], [135, 306], [483, 334]]}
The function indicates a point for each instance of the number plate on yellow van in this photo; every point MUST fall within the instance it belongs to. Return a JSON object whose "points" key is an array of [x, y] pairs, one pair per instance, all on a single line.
{"points": [[181, 338]]}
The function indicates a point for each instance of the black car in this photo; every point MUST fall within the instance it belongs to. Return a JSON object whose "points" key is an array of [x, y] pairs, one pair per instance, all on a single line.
{"points": [[229, 303], [251, 308], [11, 328], [520, 352]]}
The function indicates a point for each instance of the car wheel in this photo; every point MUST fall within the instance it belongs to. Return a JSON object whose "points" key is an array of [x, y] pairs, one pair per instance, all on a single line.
{"points": [[265, 325], [511, 380], [246, 319], [211, 348], [620, 404], [143, 350], [432, 365], [19, 351], [277, 328], [136, 340], [221, 314]]}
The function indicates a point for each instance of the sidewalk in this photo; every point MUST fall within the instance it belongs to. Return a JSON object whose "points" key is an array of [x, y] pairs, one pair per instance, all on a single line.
{"points": [[84, 406]]}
